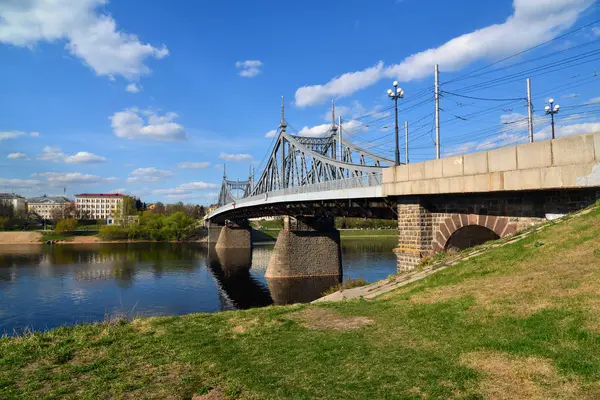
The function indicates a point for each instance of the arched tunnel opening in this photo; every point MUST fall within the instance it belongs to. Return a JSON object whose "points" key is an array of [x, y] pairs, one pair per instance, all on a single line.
{"points": [[469, 236]]}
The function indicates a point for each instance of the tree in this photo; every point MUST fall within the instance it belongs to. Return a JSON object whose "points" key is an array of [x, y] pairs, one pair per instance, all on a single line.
{"points": [[159, 208], [129, 206], [6, 209], [66, 225]]}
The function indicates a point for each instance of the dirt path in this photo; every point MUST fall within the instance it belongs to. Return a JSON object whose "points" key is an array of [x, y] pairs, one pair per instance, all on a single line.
{"points": [[19, 237]]}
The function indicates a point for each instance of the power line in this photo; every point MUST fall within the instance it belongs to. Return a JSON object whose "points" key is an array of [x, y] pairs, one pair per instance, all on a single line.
{"points": [[481, 98], [523, 52]]}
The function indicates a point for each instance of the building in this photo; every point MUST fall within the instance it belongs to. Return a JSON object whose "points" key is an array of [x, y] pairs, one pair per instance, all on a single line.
{"points": [[14, 200], [45, 206], [99, 206]]}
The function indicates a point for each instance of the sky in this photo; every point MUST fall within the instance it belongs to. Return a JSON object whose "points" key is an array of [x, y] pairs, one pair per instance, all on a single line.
{"points": [[154, 98]]}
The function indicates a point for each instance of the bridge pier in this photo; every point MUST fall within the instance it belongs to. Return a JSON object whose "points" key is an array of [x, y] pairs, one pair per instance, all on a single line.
{"points": [[235, 237], [306, 246]]}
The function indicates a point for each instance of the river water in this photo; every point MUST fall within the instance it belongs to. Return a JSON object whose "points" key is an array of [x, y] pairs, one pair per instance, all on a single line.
{"points": [[42, 287]]}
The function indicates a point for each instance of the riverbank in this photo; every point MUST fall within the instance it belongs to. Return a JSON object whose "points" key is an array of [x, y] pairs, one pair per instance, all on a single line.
{"points": [[518, 321], [91, 237]]}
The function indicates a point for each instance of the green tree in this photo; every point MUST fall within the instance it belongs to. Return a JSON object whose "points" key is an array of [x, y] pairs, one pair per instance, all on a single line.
{"points": [[66, 225]]}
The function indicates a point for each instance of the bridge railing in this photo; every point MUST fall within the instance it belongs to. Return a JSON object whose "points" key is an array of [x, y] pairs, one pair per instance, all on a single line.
{"points": [[338, 184]]}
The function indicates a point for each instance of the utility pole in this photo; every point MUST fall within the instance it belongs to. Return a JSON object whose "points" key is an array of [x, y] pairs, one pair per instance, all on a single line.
{"points": [[406, 139], [529, 110], [437, 111]]}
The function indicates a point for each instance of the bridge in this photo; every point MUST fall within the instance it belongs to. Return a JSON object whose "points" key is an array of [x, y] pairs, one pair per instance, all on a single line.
{"points": [[453, 202]]}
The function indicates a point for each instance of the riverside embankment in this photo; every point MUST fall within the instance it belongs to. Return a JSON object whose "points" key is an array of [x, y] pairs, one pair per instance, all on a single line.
{"points": [[517, 321]]}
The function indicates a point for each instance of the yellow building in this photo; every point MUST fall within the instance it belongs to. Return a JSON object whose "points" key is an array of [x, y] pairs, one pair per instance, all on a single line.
{"points": [[98, 206]]}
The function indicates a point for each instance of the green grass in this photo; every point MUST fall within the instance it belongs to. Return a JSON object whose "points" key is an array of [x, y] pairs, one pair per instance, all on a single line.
{"points": [[518, 321]]}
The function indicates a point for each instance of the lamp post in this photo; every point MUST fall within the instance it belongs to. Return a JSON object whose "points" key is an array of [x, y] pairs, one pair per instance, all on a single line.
{"points": [[552, 109], [395, 94]]}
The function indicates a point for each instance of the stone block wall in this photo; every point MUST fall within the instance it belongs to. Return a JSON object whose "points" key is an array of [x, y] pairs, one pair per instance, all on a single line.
{"points": [[426, 223]]}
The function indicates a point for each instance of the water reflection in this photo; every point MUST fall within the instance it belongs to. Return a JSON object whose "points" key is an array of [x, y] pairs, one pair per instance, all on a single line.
{"points": [[46, 286]]}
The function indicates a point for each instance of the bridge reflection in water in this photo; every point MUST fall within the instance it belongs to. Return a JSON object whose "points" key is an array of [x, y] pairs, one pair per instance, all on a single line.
{"points": [[238, 289]]}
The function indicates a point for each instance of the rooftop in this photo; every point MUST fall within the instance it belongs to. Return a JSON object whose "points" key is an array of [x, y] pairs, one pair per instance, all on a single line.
{"points": [[10, 196], [100, 195], [48, 200]]}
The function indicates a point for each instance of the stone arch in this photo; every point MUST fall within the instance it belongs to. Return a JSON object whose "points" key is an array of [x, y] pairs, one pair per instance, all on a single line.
{"points": [[501, 226]]}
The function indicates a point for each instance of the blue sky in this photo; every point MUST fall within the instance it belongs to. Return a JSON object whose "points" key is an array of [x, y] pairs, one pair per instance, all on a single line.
{"points": [[152, 99]]}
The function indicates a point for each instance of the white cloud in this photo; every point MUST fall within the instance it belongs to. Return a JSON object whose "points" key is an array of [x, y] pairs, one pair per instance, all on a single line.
{"points": [[74, 177], [595, 100], [218, 166], [133, 88], [350, 128], [570, 96], [35, 134], [18, 156], [186, 189], [130, 124], [120, 190], [533, 22], [249, 68], [596, 31], [315, 131], [19, 183], [194, 165], [567, 130], [10, 135], [51, 153], [235, 157], [83, 157], [90, 35], [271, 134], [191, 196], [148, 175], [55, 154]]}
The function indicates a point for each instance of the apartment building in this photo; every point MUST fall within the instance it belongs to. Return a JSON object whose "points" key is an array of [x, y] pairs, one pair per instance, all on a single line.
{"points": [[46, 206], [99, 206], [14, 200]]}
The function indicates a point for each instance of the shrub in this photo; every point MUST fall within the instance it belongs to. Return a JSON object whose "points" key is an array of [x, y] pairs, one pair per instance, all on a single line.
{"points": [[113, 232], [66, 225]]}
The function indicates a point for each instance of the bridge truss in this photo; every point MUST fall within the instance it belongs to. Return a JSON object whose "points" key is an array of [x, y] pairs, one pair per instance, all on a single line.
{"points": [[300, 161]]}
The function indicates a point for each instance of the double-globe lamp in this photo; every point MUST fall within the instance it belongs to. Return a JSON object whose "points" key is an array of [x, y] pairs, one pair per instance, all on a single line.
{"points": [[395, 94], [552, 109]]}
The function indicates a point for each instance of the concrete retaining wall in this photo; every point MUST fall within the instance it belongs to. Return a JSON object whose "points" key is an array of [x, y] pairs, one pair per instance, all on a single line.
{"points": [[571, 162]]}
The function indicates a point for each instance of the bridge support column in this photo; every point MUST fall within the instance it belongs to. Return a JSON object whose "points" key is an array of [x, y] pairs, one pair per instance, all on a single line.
{"points": [[306, 246], [235, 237], [214, 231], [415, 233]]}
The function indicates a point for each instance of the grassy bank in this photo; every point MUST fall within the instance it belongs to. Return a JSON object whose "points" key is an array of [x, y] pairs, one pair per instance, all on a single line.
{"points": [[519, 321]]}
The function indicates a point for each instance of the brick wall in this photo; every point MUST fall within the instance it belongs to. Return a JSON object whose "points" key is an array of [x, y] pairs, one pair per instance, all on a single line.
{"points": [[426, 223]]}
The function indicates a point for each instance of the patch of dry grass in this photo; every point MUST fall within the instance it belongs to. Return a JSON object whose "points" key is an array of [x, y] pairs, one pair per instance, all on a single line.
{"points": [[508, 377], [323, 318]]}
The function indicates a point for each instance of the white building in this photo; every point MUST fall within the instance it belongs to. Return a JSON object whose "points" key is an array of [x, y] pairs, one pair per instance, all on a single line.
{"points": [[14, 200], [45, 206], [99, 206]]}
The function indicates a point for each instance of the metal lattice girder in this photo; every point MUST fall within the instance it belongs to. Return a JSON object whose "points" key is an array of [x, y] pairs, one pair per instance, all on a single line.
{"points": [[227, 187], [299, 160]]}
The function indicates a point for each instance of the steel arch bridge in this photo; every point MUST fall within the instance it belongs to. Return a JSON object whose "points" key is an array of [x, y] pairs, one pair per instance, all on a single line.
{"points": [[305, 169]]}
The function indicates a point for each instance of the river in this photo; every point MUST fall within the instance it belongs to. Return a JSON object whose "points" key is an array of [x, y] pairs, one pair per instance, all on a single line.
{"points": [[42, 287]]}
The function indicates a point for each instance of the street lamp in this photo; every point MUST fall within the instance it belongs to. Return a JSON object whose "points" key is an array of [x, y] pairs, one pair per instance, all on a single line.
{"points": [[395, 94], [552, 109]]}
